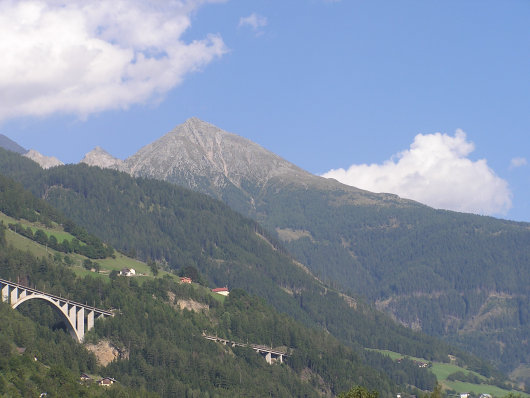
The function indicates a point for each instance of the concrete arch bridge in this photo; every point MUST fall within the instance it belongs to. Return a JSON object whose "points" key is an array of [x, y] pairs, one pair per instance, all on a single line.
{"points": [[79, 317]]}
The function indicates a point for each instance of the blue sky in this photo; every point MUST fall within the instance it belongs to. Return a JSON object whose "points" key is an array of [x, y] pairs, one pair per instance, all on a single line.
{"points": [[358, 87]]}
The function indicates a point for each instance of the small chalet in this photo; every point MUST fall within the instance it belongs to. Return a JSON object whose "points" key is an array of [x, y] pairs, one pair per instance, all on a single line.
{"points": [[128, 272], [85, 377], [464, 395], [223, 291], [107, 381], [185, 279]]}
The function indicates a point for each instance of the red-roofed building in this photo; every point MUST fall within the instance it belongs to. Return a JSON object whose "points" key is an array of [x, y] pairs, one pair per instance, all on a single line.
{"points": [[185, 279], [107, 381], [223, 291]]}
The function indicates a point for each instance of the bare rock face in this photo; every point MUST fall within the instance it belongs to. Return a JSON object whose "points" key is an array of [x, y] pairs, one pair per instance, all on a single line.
{"points": [[101, 158], [44, 161], [199, 149], [202, 157], [106, 352]]}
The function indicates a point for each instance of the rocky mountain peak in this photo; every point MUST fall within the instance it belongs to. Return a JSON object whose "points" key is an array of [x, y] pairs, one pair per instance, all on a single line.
{"points": [[44, 161], [101, 158], [201, 149]]}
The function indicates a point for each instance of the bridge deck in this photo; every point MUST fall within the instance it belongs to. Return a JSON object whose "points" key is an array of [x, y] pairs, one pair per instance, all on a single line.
{"points": [[64, 299], [256, 347]]}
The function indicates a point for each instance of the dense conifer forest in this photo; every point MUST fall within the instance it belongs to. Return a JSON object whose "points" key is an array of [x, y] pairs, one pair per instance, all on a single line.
{"points": [[157, 220], [166, 352], [457, 275], [181, 229]]}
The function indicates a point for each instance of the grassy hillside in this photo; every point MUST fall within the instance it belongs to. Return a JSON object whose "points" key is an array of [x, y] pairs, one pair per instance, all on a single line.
{"points": [[117, 262], [443, 372]]}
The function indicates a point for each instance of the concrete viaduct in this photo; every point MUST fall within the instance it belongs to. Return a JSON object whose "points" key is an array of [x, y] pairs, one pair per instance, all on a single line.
{"points": [[269, 353], [79, 317]]}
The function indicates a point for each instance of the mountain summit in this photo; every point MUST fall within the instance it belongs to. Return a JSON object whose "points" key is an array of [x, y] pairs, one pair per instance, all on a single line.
{"points": [[205, 150], [203, 157], [101, 158]]}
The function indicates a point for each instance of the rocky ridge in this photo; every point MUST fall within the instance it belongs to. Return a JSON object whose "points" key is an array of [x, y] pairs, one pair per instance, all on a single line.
{"points": [[101, 158], [205, 158], [44, 161], [205, 150]]}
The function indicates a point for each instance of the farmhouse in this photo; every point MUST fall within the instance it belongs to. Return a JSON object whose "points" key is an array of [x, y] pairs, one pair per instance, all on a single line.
{"points": [[223, 291], [128, 272], [107, 381], [185, 279]]}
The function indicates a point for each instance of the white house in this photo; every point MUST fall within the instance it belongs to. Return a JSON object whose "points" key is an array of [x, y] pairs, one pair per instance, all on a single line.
{"points": [[223, 291], [128, 272]]}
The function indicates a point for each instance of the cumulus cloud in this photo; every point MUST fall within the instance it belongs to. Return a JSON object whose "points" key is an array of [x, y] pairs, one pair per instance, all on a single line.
{"points": [[517, 162], [254, 20], [435, 170], [81, 57]]}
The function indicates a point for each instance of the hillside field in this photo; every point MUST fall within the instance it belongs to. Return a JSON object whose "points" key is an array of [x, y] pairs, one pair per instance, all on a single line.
{"points": [[443, 370]]}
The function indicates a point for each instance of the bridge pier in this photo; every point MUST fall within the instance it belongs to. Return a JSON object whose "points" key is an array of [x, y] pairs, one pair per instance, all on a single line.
{"points": [[80, 324], [90, 320], [80, 317], [14, 294], [268, 358], [5, 293]]}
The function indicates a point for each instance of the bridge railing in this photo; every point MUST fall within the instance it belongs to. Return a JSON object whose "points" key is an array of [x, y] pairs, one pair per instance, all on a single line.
{"points": [[256, 347], [79, 317], [64, 299]]}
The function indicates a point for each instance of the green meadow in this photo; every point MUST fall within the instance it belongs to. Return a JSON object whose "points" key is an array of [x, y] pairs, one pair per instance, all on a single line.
{"points": [[443, 370], [109, 264]]}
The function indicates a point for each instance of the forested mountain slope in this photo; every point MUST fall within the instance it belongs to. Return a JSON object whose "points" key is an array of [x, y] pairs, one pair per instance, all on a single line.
{"points": [[162, 349], [168, 223], [461, 276]]}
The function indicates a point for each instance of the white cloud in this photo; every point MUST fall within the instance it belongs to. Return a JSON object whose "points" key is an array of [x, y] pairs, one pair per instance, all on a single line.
{"points": [[435, 170], [517, 162], [81, 57], [254, 20]]}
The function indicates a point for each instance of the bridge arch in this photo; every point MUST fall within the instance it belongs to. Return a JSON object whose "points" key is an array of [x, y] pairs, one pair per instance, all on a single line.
{"points": [[71, 326], [80, 317]]}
